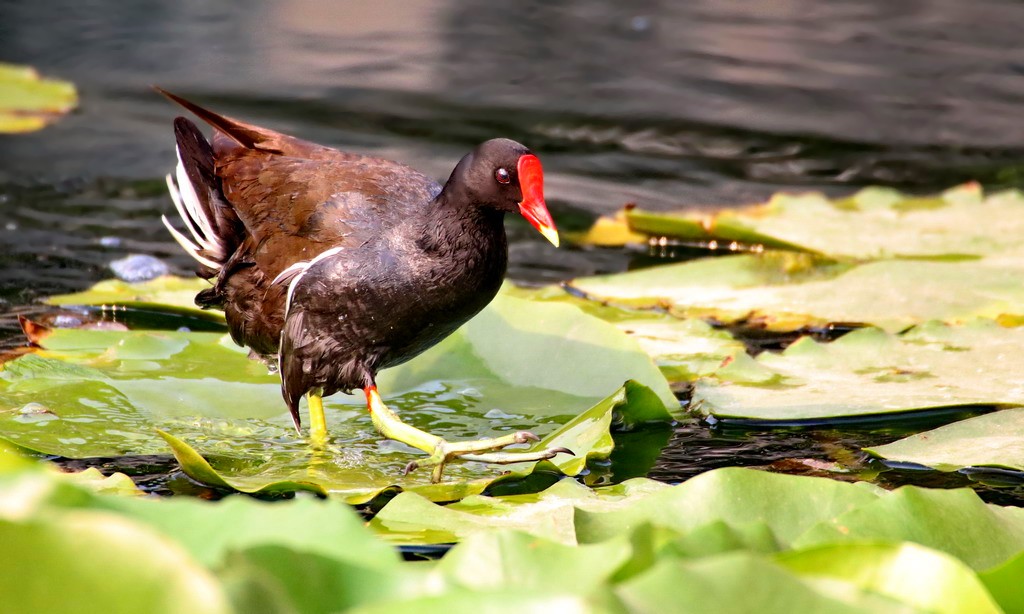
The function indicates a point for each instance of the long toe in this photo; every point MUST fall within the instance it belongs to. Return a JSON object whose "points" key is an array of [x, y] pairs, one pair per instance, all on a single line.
{"points": [[480, 453]]}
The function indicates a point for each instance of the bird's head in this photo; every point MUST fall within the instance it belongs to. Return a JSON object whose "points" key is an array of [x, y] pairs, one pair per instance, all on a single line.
{"points": [[505, 175]]}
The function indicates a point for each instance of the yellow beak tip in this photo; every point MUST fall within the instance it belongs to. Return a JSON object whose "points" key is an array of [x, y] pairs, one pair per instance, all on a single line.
{"points": [[550, 234]]}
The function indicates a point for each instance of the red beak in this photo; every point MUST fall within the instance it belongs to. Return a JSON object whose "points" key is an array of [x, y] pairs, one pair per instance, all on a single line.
{"points": [[533, 208]]}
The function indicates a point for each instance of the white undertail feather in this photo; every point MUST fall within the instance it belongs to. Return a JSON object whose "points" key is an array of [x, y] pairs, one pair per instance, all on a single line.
{"points": [[186, 201]]}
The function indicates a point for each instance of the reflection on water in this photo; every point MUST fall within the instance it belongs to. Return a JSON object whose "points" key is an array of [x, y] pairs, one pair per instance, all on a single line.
{"points": [[661, 103]]}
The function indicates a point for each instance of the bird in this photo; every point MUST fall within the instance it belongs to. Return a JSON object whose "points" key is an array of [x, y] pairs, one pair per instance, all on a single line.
{"points": [[331, 266]]}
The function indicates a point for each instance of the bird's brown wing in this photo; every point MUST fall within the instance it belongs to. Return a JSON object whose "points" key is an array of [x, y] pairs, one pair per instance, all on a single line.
{"points": [[295, 200]]}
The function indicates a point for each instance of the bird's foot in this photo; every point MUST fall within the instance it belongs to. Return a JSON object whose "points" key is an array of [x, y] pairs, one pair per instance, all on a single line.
{"points": [[484, 451]]}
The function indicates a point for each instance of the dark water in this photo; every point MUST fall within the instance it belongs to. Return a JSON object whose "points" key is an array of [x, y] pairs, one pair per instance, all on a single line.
{"points": [[665, 104]]}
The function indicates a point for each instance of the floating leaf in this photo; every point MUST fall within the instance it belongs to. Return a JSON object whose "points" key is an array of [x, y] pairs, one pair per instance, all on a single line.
{"points": [[870, 372], [411, 519], [911, 574], [29, 102], [991, 440], [788, 505], [684, 349], [506, 559], [875, 223], [109, 391], [956, 522], [1003, 583], [737, 582], [87, 560], [786, 291], [610, 232], [277, 579], [588, 435], [167, 293]]}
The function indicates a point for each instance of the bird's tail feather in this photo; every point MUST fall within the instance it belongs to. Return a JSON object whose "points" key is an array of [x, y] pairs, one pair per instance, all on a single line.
{"points": [[211, 224]]}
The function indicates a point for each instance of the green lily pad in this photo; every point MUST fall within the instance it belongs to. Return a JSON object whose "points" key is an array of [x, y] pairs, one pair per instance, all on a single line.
{"points": [[275, 579], [737, 582], [788, 505], [1003, 583], [95, 559], [956, 522], [876, 223], [684, 349], [991, 440], [29, 102], [104, 393], [412, 519], [871, 372], [792, 543], [508, 559], [589, 435], [919, 577], [787, 291]]}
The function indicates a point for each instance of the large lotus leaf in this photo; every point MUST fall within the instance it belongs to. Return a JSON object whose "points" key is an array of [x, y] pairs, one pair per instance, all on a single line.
{"points": [[990, 440], [412, 519], [919, 577], [876, 223], [274, 579], [540, 349], [589, 435], [684, 349], [509, 339], [738, 582], [509, 559], [956, 522], [788, 291], [788, 504], [504, 601], [103, 393], [87, 561], [28, 102], [209, 531], [1003, 583], [869, 372]]}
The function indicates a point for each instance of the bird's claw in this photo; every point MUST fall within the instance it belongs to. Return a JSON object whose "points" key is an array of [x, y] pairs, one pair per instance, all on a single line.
{"points": [[484, 451]]}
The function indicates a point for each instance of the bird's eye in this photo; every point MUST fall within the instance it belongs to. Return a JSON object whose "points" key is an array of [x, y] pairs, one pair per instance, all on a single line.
{"points": [[502, 175]]}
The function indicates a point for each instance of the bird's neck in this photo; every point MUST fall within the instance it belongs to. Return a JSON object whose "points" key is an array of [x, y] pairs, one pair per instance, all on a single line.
{"points": [[453, 224]]}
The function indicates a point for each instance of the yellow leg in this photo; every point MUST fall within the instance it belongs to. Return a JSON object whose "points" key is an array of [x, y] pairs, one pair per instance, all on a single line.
{"points": [[317, 420], [441, 452]]}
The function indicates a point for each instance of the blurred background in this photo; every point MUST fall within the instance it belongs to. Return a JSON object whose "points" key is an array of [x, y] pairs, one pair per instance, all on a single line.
{"points": [[665, 104]]}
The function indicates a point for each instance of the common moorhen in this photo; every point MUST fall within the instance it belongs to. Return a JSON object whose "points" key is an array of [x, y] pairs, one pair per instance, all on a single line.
{"points": [[335, 265]]}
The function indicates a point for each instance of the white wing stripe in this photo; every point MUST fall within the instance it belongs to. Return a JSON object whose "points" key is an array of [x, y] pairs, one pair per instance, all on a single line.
{"points": [[305, 267]]}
